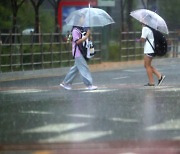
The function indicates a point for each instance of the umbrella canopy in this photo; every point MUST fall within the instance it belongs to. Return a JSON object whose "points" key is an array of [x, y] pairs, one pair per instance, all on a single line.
{"points": [[151, 19], [89, 17]]}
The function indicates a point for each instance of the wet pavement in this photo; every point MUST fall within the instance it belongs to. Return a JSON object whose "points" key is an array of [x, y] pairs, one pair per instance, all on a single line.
{"points": [[121, 117]]}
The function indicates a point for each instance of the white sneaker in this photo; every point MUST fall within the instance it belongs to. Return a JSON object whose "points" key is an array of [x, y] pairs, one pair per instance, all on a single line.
{"points": [[65, 86], [92, 87]]}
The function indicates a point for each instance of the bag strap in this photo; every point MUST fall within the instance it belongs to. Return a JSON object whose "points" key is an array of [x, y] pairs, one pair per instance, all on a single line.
{"points": [[75, 43], [150, 44], [148, 39], [75, 51]]}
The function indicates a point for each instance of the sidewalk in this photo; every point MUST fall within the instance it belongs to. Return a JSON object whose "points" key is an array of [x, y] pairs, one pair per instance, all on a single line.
{"points": [[104, 66]]}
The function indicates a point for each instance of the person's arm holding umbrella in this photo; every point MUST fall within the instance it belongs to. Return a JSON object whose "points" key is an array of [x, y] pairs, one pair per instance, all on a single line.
{"points": [[142, 39], [83, 38], [144, 34]]}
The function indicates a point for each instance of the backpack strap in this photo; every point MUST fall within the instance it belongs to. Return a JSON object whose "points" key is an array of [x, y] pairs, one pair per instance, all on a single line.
{"points": [[148, 39], [75, 51], [150, 44], [76, 43]]}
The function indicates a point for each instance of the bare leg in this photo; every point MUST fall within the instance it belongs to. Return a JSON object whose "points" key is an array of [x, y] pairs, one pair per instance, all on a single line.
{"points": [[149, 69], [155, 71]]}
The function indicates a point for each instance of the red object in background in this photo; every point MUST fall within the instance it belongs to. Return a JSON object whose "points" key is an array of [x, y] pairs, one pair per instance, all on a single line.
{"points": [[69, 3]]}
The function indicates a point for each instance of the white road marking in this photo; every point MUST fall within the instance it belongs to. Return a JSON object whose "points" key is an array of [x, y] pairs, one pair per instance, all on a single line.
{"points": [[112, 119], [168, 125], [177, 138], [55, 128], [119, 78], [123, 120], [36, 112], [80, 115], [77, 136], [134, 70], [99, 90], [21, 91], [166, 89]]}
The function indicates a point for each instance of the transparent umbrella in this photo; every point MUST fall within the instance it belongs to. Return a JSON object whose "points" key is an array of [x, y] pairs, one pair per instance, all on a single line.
{"points": [[89, 17], [151, 19]]}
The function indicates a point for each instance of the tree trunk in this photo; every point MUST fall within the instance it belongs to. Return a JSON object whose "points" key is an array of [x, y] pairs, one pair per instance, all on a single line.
{"points": [[152, 5], [122, 16], [36, 4], [129, 21], [57, 28], [15, 7], [37, 26], [144, 4], [14, 23], [55, 5]]}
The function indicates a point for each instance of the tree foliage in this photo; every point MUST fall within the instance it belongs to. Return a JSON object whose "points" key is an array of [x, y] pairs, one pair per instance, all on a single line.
{"points": [[36, 5], [25, 16], [15, 5], [5, 17], [27, 12]]}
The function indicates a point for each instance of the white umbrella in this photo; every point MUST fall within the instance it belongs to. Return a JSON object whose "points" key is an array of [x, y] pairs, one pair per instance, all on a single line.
{"points": [[89, 17], [151, 19]]}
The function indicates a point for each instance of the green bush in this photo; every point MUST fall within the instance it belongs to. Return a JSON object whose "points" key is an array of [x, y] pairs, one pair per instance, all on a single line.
{"points": [[114, 51]]}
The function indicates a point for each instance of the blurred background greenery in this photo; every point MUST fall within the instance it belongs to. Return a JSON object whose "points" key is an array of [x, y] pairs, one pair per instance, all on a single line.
{"points": [[41, 15], [25, 15]]}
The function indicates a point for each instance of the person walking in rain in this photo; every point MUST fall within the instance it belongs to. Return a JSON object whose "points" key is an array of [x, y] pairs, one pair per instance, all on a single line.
{"points": [[149, 55], [80, 64]]}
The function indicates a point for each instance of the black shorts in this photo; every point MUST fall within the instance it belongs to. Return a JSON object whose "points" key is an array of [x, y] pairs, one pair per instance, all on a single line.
{"points": [[150, 55]]}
